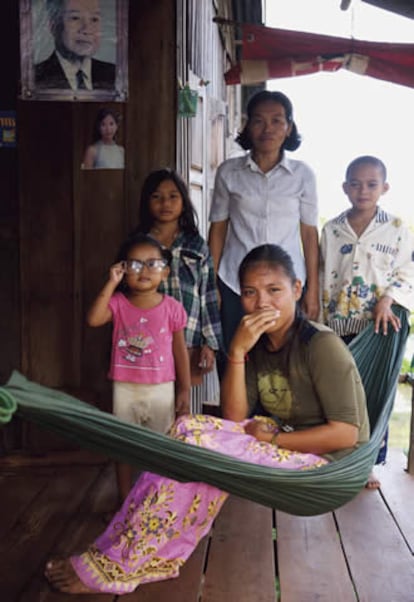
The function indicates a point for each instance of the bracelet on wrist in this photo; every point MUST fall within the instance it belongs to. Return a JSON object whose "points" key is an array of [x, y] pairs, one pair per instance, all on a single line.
{"points": [[274, 437], [233, 361]]}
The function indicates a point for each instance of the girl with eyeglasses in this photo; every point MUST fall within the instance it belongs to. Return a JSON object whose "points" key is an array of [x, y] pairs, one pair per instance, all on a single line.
{"points": [[149, 362]]}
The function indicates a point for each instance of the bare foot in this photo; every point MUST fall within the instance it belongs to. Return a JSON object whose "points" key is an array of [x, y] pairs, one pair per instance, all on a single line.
{"points": [[373, 482], [62, 576]]}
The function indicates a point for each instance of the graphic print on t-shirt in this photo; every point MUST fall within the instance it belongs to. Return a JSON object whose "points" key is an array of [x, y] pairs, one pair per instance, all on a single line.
{"points": [[275, 394], [136, 341]]}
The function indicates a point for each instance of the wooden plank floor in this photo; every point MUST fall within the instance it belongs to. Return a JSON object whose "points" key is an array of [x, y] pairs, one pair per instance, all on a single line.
{"points": [[363, 552]]}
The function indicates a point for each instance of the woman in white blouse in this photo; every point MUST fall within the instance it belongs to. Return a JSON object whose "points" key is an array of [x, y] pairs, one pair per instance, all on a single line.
{"points": [[264, 197]]}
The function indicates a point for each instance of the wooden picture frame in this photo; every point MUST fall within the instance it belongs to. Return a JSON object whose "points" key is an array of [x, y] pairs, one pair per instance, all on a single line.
{"points": [[49, 75]]}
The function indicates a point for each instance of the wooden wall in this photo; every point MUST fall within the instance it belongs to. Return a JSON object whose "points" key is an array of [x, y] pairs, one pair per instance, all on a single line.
{"points": [[9, 201], [10, 326], [65, 223]]}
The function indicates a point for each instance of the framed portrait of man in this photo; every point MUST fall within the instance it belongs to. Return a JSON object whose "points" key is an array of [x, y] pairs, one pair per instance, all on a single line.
{"points": [[74, 49]]}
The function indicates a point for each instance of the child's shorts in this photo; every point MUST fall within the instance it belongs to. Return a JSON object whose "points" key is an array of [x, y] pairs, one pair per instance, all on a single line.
{"points": [[152, 406]]}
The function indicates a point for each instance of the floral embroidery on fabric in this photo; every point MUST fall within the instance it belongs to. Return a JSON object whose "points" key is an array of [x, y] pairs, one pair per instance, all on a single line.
{"points": [[192, 512], [154, 521], [162, 520]]}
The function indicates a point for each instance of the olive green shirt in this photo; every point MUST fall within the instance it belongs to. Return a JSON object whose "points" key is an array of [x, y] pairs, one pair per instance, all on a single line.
{"points": [[323, 384]]}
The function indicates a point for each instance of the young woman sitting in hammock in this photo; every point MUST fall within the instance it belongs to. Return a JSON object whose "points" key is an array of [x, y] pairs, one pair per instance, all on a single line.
{"points": [[300, 374]]}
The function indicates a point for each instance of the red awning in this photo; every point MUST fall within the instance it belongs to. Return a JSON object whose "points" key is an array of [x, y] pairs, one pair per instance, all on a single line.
{"points": [[269, 53]]}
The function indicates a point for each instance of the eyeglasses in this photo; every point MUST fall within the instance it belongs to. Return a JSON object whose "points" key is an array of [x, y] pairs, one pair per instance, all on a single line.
{"points": [[154, 264]]}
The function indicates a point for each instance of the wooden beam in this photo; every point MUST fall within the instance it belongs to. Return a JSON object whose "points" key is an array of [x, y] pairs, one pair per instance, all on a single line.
{"points": [[409, 379], [410, 464], [401, 7]]}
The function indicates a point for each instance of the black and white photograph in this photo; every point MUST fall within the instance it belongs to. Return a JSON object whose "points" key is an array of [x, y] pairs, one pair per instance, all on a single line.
{"points": [[74, 49]]}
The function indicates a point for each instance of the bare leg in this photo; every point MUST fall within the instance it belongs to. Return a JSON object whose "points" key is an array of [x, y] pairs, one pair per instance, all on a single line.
{"points": [[373, 482], [124, 480], [62, 576]]}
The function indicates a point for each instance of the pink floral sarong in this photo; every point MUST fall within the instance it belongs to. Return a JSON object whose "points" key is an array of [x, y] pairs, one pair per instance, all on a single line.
{"points": [[162, 520]]}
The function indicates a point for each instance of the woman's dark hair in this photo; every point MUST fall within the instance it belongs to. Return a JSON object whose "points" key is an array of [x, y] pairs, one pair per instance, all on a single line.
{"points": [[102, 113], [134, 240], [294, 139], [273, 255], [188, 221], [276, 257], [366, 160]]}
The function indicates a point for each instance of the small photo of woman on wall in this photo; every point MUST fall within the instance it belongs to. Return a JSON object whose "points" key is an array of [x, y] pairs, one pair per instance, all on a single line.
{"points": [[105, 152]]}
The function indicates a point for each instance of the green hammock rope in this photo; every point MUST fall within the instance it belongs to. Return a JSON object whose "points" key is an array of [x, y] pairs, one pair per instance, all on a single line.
{"points": [[303, 493]]}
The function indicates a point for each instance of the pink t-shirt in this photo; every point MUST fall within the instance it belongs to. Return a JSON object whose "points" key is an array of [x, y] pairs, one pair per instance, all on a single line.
{"points": [[142, 340]]}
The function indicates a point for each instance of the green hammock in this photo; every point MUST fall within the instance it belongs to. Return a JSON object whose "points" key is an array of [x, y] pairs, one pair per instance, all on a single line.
{"points": [[302, 493]]}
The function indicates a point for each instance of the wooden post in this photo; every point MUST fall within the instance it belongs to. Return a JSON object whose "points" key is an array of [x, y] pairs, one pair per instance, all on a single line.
{"points": [[410, 464]]}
